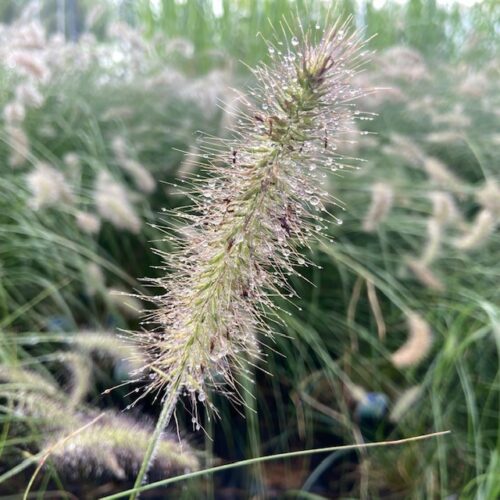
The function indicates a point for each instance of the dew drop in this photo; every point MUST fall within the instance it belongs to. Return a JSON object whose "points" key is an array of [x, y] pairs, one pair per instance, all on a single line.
{"points": [[295, 41], [271, 50], [202, 396], [314, 201]]}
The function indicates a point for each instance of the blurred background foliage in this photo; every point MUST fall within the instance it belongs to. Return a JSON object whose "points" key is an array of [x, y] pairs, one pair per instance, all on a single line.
{"points": [[398, 333]]}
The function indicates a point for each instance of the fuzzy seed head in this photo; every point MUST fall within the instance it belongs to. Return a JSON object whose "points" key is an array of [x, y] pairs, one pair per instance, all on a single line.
{"points": [[440, 174], [94, 278], [444, 208], [72, 160], [31, 64], [425, 275], [29, 95], [406, 149], [417, 345], [48, 187], [87, 222], [141, 176], [444, 137], [405, 403], [482, 228], [382, 199], [14, 113], [129, 305], [114, 448], [263, 200], [489, 197], [109, 345], [19, 145], [113, 203], [433, 244]]}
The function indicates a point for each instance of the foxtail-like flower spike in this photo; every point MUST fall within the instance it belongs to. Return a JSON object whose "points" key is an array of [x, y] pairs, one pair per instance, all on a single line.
{"points": [[417, 345], [263, 200]]}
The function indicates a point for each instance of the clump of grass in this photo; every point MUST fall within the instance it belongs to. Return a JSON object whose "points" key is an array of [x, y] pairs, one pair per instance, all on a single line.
{"points": [[432, 109], [64, 103]]}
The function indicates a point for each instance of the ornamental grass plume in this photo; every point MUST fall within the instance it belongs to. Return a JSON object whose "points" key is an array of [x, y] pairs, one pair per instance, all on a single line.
{"points": [[87, 222], [113, 203], [48, 187], [406, 403], [264, 198], [141, 176], [417, 345], [381, 204], [19, 145], [425, 275], [29, 95], [108, 345], [489, 197], [483, 226], [444, 208], [111, 449], [432, 247], [14, 113], [440, 174], [406, 149]]}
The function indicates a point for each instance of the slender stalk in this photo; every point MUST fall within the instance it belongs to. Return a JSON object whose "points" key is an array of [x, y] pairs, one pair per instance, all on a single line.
{"points": [[268, 458], [163, 421]]}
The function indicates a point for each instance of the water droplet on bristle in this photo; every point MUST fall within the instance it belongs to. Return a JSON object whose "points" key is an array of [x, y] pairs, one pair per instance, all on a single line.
{"points": [[295, 41]]}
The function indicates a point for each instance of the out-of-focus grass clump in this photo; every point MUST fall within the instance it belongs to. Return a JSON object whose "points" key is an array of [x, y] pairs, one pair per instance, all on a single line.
{"points": [[91, 137], [399, 331]]}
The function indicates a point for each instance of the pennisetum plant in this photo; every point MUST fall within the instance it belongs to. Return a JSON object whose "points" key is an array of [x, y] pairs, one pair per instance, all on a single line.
{"points": [[263, 200]]}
